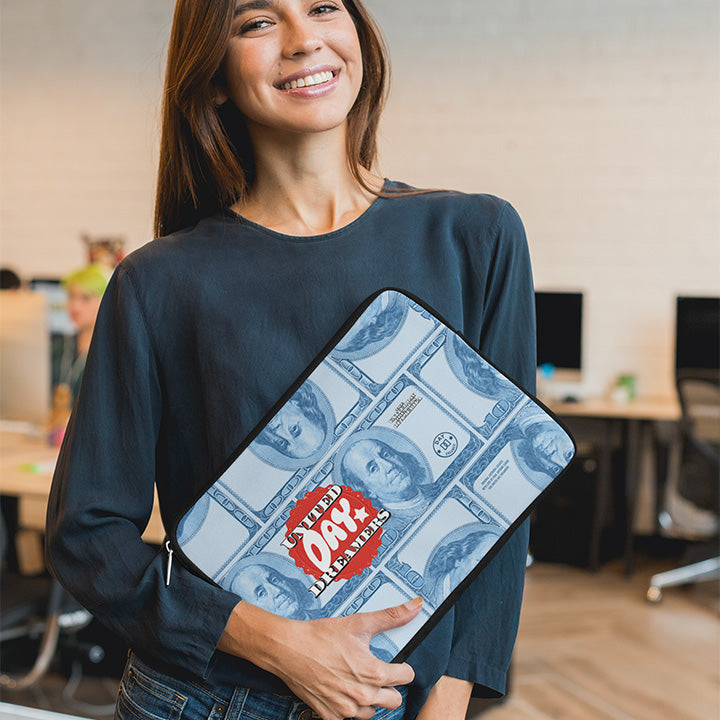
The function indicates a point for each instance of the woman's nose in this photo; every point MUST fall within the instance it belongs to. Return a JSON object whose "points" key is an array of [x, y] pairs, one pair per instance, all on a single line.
{"points": [[301, 38]]}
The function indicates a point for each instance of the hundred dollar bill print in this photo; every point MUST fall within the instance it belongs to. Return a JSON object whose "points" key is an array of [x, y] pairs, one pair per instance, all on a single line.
{"points": [[393, 469], [306, 427], [382, 340], [520, 463], [453, 369]]}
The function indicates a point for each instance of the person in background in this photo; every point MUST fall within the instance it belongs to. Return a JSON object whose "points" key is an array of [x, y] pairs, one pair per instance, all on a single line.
{"points": [[85, 288], [9, 279]]}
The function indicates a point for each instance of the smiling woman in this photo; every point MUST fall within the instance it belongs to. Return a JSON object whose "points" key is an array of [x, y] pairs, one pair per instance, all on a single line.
{"points": [[207, 159], [273, 227]]}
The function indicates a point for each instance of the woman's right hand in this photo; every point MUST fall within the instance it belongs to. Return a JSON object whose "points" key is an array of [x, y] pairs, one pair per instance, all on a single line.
{"points": [[327, 663]]}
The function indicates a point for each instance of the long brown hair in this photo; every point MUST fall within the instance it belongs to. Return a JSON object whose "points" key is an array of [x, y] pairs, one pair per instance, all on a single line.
{"points": [[206, 158]]}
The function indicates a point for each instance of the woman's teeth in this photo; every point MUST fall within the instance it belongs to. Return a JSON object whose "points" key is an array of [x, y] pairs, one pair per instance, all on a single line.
{"points": [[316, 79]]}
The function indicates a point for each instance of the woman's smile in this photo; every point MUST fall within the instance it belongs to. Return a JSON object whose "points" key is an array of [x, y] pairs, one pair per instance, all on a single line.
{"points": [[312, 77]]}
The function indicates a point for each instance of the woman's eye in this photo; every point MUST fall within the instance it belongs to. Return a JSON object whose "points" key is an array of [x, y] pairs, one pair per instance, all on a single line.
{"points": [[252, 25], [325, 8]]}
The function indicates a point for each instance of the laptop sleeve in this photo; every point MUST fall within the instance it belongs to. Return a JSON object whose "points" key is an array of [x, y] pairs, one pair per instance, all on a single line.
{"points": [[397, 465]]}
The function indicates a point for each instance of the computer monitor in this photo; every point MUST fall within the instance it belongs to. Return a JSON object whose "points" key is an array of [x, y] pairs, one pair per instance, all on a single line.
{"points": [[559, 333], [697, 333], [24, 357], [59, 321]]}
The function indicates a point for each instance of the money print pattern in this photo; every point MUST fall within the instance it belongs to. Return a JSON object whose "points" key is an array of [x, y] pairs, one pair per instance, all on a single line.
{"points": [[391, 471]]}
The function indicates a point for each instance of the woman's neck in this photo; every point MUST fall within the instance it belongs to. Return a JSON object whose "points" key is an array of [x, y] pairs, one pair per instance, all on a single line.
{"points": [[303, 184]]}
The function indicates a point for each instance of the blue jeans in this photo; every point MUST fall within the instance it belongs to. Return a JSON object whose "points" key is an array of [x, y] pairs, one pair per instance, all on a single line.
{"points": [[146, 694]]}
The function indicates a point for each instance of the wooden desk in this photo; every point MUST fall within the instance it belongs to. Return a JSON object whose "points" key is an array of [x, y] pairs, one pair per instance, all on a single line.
{"points": [[26, 466], [638, 409], [632, 417]]}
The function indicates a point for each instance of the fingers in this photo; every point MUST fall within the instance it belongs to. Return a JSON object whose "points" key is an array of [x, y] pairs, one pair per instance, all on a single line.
{"points": [[328, 664], [370, 624], [381, 620], [402, 674], [382, 677], [366, 713], [365, 707], [386, 698], [389, 698]]}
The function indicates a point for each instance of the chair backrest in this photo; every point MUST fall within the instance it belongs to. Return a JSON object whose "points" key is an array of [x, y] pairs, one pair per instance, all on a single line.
{"points": [[699, 395]]}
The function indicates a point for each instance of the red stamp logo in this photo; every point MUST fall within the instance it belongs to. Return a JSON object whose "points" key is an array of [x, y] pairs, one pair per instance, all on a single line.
{"points": [[333, 533]]}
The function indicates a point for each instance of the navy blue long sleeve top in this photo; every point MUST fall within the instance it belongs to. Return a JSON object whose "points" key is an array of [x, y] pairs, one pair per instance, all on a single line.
{"points": [[198, 335]]}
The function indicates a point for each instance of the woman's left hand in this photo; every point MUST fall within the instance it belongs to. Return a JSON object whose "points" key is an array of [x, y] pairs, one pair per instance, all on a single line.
{"points": [[326, 662]]}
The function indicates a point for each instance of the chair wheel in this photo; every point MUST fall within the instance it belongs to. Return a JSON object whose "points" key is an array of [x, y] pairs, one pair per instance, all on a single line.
{"points": [[654, 594]]}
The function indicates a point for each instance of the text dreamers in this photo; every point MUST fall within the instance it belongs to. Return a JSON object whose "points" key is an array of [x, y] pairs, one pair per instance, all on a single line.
{"points": [[333, 533]]}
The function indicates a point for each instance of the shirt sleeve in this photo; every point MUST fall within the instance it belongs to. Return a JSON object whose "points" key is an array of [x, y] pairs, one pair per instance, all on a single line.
{"points": [[488, 612], [102, 497]]}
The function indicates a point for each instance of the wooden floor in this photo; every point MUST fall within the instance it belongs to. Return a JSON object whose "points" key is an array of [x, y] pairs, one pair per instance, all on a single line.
{"points": [[590, 648]]}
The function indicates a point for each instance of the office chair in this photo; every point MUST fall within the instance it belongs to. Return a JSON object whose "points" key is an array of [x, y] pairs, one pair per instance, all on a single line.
{"points": [[41, 610], [699, 394]]}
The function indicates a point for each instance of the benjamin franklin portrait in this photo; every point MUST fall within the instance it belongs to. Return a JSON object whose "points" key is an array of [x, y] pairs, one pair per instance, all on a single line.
{"points": [[272, 583], [389, 469], [300, 432], [378, 325], [541, 449], [455, 556], [474, 372]]}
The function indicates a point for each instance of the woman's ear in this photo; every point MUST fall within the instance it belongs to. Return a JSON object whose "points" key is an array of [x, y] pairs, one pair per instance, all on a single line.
{"points": [[218, 88]]}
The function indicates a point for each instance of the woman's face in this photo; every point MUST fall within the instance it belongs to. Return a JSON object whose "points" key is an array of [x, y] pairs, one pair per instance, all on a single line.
{"points": [[293, 65]]}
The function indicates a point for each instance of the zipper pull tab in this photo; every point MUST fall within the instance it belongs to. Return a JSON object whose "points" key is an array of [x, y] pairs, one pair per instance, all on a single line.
{"points": [[169, 563]]}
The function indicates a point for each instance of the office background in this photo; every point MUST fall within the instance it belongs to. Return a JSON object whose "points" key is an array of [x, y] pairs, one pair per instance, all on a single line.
{"points": [[597, 119]]}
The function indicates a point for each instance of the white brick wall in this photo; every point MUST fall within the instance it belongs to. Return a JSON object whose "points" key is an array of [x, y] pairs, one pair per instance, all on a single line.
{"points": [[600, 121], [597, 119], [81, 82]]}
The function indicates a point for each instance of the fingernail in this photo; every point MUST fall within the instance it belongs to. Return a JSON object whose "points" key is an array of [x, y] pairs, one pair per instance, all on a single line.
{"points": [[413, 604]]}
